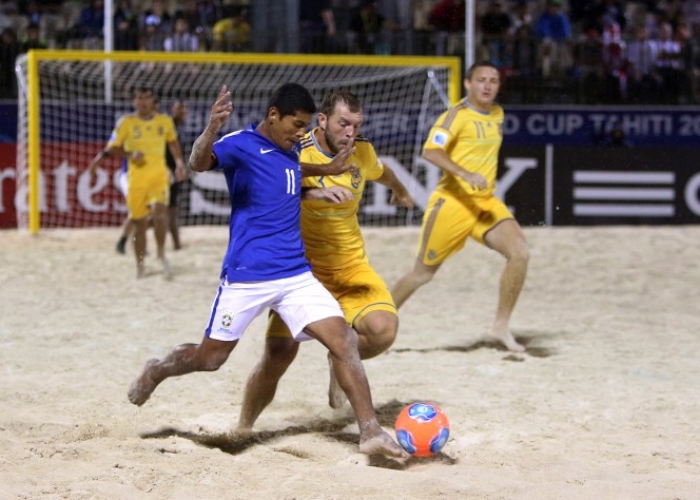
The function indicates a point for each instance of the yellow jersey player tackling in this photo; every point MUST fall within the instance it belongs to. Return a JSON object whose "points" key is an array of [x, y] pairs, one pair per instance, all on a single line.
{"points": [[464, 142], [142, 137], [334, 247]]}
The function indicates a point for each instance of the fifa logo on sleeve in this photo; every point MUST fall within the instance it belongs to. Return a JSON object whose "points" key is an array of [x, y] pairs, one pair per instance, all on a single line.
{"points": [[439, 138]]}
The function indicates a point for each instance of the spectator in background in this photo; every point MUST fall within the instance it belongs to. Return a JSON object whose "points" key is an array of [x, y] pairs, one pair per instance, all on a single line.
{"points": [[616, 138], [644, 83], [9, 50], [369, 30], [157, 15], [588, 66], [448, 15], [554, 31], [495, 26], [126, 27], [32, 39], [316, 26], [668, 63], [33, 12], [446, 18], [198, 25], [91, 21], [615, 64], [153, 35], [520, 16], [210, 11], [233, 33], [181, 40]]}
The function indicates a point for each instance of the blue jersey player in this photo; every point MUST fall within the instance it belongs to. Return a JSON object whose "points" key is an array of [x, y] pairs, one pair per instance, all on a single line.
{"points": [[265, 266]]}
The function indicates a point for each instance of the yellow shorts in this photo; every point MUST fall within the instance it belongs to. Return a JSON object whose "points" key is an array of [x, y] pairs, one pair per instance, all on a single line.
{"points": [[358, 289], [450, 220], [146, 191]]}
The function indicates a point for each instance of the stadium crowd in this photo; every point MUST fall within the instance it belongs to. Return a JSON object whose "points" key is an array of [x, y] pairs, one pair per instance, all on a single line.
{"points": [[550, 51]]}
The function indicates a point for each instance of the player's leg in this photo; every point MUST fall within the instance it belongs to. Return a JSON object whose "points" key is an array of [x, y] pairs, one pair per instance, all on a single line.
{"points": [[137, 203], [341, 342], [127, 226], [173, 221], [209, 355], [140, 226], [159, 218], [260, 389], [508, 239], [158, 194], [412, 281], [376, 331], [446, 225], [234, 307], [127, 230], [309, 308]]}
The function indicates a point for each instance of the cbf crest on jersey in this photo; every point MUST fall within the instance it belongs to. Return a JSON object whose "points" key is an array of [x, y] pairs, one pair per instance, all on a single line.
{"points": [[439, 138]]}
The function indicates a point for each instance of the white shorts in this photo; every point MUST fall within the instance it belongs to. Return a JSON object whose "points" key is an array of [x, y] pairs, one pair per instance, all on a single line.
{"points": [[124, 183], [299, 300]]}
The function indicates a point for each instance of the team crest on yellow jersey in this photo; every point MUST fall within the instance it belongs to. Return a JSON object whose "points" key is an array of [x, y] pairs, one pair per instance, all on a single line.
{"points": [[161, 131], [355, 177]]}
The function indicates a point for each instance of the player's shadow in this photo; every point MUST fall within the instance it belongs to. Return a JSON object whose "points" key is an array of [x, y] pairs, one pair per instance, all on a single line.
{"points": [[530, 340], [234, 444]]}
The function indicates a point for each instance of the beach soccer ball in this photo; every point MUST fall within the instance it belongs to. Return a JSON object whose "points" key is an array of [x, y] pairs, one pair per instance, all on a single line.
{"points": [[422, 429]]}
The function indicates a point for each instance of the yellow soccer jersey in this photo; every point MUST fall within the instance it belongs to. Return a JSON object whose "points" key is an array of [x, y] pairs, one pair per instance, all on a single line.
{"points": [[472, 139], [331, 231], [148, 136]]}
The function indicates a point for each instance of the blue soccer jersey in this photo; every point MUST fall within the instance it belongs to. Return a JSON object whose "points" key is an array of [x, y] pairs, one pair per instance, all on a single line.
{"points": [[264, 184]]}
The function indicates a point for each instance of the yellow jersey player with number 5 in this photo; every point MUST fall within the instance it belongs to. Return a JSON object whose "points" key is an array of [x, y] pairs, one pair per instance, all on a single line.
{"points": [[464, 142]]}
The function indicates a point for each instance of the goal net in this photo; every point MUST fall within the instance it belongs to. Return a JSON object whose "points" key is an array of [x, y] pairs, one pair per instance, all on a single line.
{"points": [[70, 100]]}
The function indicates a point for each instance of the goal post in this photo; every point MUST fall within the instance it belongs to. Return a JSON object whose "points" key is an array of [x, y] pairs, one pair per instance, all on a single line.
{"points": [[68, 104]]}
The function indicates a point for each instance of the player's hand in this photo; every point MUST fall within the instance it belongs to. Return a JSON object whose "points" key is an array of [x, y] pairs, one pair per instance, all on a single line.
{"points": [[476, 181], [180, 171], [137, 158], [332, 194], [339, 164], [221, 110], [401, 198]]}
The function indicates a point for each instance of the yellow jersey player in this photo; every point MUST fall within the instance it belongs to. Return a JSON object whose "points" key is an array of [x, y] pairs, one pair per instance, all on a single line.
{"points": [[334, 247], [464, 142], [142, 137]]}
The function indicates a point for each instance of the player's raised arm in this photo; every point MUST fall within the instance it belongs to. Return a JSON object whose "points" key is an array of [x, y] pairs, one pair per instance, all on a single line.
{"points": [[114, 151], [338, 165], [202, 158], [442, 160]]}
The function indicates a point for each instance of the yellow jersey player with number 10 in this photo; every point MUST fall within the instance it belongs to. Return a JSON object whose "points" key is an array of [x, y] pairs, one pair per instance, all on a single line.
{"points": [[464, 142]]}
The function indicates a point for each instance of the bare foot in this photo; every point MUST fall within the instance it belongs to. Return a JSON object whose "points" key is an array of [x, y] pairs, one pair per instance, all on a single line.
{"points": [[167, 270], [336, 395], [241, 432], [140, 271], [380, 443], [508, 341], [142, 388]]}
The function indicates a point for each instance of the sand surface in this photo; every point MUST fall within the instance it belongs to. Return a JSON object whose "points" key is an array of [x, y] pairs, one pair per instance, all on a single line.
{"points": [[605, 403]]}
